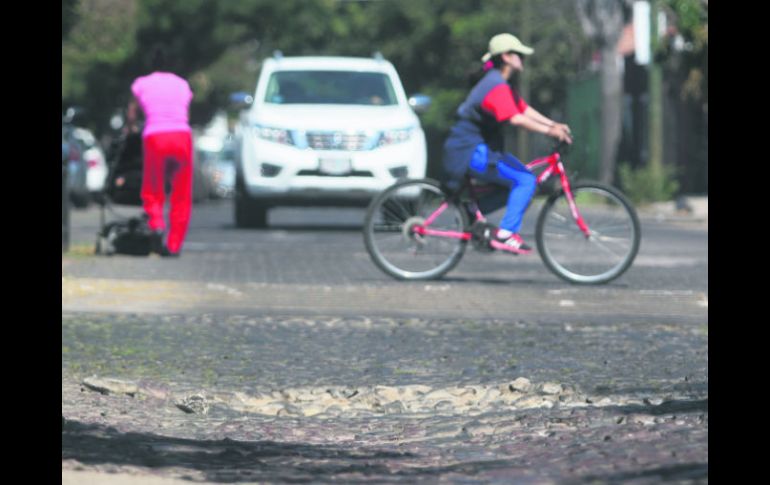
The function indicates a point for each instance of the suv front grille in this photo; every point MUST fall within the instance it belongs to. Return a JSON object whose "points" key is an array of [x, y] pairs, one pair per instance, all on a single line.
{"points": [[337, 140]]}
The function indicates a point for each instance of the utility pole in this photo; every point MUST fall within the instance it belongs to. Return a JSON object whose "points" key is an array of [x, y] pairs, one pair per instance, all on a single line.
{"points": [[656, 96]]}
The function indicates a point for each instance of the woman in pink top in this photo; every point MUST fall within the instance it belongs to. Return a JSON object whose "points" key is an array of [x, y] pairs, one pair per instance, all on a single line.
{"points": [[167, 139]]}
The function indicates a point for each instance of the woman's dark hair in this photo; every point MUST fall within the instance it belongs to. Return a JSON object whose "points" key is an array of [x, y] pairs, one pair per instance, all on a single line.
{"points": [[476, 75], [497, 61], [159, 60]]}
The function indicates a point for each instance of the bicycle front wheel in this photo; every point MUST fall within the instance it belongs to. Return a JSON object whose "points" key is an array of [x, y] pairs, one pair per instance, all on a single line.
{"points": [[606, 252], [393, 237]]}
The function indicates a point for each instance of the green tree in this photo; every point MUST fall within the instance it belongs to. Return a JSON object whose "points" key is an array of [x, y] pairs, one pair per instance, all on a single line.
{"points": [[685, 65], [99, 41], [220, 45], [68, 17], [686, 51]]}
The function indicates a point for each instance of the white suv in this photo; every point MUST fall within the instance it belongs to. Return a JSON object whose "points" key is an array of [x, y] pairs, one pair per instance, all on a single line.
{"points": [[325, 131]]}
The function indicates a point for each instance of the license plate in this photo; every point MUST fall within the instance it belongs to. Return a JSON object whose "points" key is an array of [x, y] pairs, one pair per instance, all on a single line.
{"points": [[334, 166]]}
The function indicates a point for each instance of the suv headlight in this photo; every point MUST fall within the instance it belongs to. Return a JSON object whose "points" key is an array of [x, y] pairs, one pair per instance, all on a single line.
{"points": [[391, 137], [276, 135]]}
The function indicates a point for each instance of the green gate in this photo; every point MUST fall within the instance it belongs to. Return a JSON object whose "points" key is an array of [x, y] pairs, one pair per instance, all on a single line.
{"points": [[585, 119]]}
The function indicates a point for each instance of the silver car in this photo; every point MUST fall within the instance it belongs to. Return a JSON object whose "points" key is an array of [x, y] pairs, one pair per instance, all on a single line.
{"points": [[221, 171], [72, 151], [95, 160]]}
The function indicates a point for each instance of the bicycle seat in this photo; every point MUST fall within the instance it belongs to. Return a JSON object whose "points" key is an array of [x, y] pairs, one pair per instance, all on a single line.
{"points": [[456, 188], [481, 185]]}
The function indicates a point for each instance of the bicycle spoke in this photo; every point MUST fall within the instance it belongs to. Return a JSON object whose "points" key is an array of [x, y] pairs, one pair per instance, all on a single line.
{"points": [[387, 228], [604, 247], [609, 239], [395, 210], [560, 217]]}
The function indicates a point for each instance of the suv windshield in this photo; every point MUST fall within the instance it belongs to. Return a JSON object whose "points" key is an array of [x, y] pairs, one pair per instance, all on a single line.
{"points": [[330, 87]]}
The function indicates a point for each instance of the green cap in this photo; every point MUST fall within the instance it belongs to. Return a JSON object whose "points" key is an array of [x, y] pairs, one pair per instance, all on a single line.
{"points": [[502, 43]]}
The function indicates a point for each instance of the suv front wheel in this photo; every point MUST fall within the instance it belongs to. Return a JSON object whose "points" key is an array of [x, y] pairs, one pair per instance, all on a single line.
{"points": [[249, 213]]}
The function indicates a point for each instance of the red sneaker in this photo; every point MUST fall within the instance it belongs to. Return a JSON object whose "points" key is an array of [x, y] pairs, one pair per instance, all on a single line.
{"points": [[513, 244]]}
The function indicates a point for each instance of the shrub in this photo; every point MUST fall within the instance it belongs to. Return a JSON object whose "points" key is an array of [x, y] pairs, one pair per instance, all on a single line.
{"points": [[648, 184]]}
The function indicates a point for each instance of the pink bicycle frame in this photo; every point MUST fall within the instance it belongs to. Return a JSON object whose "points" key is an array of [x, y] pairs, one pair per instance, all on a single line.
{"points": [[424, 230], [555, 167]]}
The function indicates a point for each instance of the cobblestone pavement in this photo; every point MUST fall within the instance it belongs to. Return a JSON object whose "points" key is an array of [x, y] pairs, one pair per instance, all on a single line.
{"points": [[216, 378], [238, 398]]}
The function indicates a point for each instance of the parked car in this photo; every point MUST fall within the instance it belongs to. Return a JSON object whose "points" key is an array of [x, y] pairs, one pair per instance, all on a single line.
{"points": [[72, 151], [325, 131], [202, 185], [214, 157], [96, 162], [219, 167]]}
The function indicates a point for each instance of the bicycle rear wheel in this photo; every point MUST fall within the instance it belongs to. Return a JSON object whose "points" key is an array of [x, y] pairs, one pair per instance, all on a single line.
{"points": [[610, 248], [390, 236]]}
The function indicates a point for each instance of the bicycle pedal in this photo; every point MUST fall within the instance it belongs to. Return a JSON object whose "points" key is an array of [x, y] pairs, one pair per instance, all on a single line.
{"points": [[481, 236]]}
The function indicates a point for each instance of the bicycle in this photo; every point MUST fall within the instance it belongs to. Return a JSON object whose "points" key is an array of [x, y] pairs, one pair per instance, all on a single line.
{"points": [[586, 233]]}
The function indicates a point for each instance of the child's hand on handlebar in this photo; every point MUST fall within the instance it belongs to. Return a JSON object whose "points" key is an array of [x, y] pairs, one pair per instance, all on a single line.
{"points": [[561, 132]]}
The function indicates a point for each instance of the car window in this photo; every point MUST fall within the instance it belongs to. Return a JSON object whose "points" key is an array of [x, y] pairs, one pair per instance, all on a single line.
{"points": [[228, 155], [330, 87]]}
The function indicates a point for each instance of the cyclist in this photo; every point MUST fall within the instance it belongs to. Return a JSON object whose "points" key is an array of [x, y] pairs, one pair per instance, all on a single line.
{"points": [[475, 142]]}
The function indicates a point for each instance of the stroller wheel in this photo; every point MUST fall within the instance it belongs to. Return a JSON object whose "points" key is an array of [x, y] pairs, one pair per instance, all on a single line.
{"points": [[103, 247]]}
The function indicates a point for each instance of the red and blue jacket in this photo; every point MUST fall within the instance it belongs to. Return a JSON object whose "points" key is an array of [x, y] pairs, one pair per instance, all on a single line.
{"points": [[480, 120]]}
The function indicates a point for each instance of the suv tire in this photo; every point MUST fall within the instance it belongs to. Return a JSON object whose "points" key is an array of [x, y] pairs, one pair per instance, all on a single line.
{"points": [[248, 212]]}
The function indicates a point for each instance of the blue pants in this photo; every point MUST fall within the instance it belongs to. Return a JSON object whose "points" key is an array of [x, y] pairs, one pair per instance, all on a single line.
{"points": [[508, 172]]}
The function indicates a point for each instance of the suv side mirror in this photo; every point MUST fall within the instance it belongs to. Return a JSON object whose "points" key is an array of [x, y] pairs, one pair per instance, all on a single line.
{"points": [[420, 103], [241, 100], [75, 115]]}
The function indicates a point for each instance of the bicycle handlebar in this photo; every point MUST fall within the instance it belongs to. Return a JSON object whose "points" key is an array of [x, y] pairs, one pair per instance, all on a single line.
{"points": [[560, 147]]}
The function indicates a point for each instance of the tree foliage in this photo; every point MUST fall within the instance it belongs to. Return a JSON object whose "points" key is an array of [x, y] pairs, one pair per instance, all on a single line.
{"points": [[686, 49], [100, 40], [434, 44], [219, 45], [68, 17]]}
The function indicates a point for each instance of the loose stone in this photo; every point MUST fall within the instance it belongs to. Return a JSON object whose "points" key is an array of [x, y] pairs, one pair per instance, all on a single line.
{"points": [[107, 385], [521, 384], [194, 404], [551, 388]]}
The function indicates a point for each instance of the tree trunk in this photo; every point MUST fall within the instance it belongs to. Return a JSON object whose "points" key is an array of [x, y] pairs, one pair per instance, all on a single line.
{"points": [[612, 106], [602, 20]]}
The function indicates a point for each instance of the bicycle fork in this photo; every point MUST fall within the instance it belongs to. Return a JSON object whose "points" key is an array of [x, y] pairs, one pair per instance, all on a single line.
{"points": [[559, 169], [581, 223]]}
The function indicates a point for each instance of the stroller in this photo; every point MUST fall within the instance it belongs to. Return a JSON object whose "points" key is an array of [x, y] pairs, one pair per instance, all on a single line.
{"points": [[126, 234]]}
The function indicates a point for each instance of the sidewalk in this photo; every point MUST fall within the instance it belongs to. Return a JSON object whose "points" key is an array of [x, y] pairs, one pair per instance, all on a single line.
{"points": [[685, 208]]}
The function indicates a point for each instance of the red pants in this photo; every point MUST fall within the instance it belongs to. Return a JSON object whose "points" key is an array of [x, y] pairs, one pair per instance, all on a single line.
{"points": [[168, 156]]}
